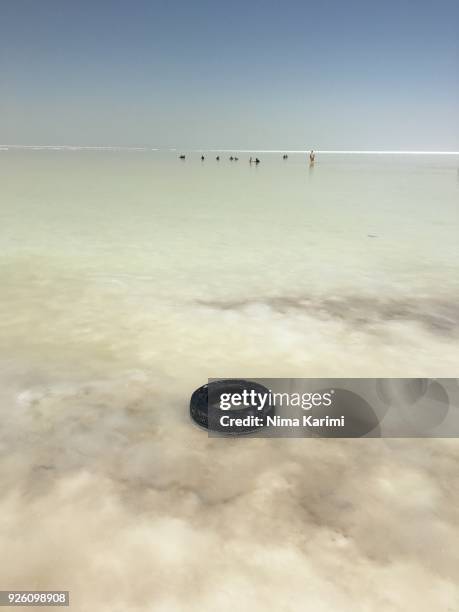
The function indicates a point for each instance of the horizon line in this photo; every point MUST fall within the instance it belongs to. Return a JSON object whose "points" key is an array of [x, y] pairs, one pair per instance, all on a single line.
{"points": [[235, 150]]}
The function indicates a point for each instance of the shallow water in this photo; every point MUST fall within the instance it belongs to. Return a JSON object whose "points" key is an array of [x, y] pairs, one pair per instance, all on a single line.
{"points": [[129, 278], [350, 268]]}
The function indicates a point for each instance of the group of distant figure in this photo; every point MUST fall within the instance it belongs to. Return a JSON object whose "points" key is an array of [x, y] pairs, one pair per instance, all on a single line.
{"points": [[256, 161]]}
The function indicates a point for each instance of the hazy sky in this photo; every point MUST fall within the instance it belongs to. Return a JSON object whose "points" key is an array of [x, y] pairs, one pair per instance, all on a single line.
{"points": [[326, 74]]}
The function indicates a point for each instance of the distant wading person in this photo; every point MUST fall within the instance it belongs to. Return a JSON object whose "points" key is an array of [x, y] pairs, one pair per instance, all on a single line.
{"points": [[312, 158]]}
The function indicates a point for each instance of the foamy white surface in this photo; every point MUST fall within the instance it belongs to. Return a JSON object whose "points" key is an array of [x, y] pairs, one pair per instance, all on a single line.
{"points": [[130, 278]]}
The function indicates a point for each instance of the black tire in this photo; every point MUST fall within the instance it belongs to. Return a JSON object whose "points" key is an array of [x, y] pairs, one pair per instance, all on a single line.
{"points": [[205, 410]]}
